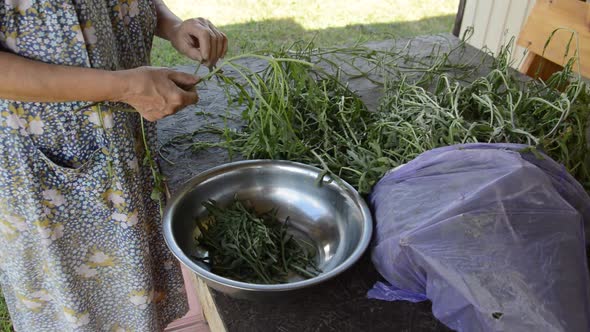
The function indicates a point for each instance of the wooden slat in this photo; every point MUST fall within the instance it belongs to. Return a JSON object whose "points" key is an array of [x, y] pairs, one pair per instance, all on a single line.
{"points": [[209, 307], [482, 15], [193, 321], [188, 324], [497, 25], [468, 16], [549, 15], [517, 15]]}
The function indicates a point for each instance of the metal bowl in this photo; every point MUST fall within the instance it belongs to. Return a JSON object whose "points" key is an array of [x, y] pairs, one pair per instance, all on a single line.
{"points": [[331, 215]]}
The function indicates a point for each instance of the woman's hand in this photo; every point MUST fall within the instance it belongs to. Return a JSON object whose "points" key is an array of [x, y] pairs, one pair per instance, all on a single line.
{"points": [[199, 40], [157, 92]]}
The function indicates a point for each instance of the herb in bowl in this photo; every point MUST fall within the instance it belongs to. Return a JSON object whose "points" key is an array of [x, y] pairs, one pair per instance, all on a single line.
{"points": [[251, 247]]}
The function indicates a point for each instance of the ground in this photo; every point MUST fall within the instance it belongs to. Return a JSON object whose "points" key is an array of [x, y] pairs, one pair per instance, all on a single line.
{"points": [[257, 25], [5, 325]]}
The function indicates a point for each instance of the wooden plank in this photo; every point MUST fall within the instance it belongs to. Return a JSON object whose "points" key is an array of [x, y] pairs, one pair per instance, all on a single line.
{"points": [[193, 301], [459, 18], [545, 18], [209, 306], [519, 11], [536, 66], [499, 24], [482, 17], [503, 22], [468, 16], [527, 63], [193, 321], [188, 324], [496, 27]]}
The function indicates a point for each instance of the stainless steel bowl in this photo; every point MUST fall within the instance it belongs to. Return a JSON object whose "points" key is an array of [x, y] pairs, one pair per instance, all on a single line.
{"points": [[331, 215]]}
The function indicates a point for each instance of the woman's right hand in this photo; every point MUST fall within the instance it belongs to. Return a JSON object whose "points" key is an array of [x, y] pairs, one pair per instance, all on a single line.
{"points": [[157, 92]]}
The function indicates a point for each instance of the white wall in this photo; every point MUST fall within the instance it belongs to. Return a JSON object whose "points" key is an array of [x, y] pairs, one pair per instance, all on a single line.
{"points": [[495, 22]]}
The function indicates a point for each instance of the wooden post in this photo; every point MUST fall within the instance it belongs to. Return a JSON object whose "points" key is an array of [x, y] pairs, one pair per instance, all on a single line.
{"points": [[459, 18], [209, 307], [194, 320]]}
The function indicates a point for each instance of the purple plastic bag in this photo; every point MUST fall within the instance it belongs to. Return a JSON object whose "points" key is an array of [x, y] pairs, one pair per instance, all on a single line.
{"points": [[493, 237]]}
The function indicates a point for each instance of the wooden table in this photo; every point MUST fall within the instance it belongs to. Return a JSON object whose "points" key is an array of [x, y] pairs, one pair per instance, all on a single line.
{"points": [[337, 305]]}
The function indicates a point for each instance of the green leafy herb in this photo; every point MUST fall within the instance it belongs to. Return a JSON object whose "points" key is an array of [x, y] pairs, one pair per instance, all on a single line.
{"points": [[250, 247], [298, 109]]}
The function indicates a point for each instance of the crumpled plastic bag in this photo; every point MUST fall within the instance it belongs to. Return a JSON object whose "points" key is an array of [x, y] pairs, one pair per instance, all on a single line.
{"points": [[491, 234]]}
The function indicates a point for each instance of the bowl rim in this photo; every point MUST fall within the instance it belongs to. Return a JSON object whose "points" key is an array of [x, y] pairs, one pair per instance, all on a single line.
{"points": [[360, 249]]}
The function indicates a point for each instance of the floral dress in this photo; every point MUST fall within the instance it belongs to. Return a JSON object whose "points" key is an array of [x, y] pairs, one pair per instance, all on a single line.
{"points": [[81, 247]]}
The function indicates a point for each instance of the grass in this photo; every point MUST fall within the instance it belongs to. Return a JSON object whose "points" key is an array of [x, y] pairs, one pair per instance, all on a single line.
{"points": [[266, 25], [5, 324]]}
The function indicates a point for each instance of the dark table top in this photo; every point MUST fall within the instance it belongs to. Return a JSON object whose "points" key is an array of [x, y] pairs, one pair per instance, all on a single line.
{"points": [[337, 305]]}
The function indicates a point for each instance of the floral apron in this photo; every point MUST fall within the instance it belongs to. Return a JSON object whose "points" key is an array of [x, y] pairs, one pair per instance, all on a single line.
{"points": [[81, 247]]}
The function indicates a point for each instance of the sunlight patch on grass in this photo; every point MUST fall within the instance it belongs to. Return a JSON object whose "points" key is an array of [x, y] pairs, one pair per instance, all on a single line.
{"points": [[314, 14], [5, 324], [261, 25]]}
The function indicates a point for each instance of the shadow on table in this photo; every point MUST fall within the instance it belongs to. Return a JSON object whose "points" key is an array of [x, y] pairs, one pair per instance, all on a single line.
{"points": [[340, 304]]}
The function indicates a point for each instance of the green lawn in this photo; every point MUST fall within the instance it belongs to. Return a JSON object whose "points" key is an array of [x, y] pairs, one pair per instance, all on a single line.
{"points": [[5, 325], [258, 25], [265, 24]]}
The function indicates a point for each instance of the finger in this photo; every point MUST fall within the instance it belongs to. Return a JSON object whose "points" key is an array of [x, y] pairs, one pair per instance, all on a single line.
{"points": [[189, 97], [195, 54], [216, 43], [148, 116], [224, 47], [180, 100], [187, 87], [212, 42], [212, 49], [221, 43], [183, 79], [212, 45], [201, 32], [173, 109]]}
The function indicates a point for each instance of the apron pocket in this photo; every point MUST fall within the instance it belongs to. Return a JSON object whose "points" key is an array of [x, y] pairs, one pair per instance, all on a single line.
{"points": [[92, 172]]}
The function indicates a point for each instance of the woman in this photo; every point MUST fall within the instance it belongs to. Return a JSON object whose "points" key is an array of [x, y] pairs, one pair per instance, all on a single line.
{"points": [[80, 241]]}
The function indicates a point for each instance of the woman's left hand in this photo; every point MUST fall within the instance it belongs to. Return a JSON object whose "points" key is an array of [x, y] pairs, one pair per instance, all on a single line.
{"points": [[200, 40]]}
